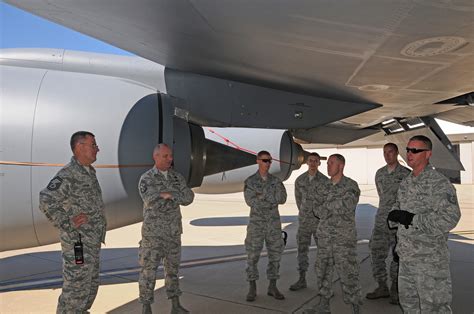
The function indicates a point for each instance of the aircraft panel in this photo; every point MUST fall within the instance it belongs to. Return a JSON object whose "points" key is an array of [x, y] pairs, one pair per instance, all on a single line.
{"points": [[231, 103], [462, 115], [18, 112], [393, 47], [428, 17], [100, 105], [381, 71], [440, 81]]}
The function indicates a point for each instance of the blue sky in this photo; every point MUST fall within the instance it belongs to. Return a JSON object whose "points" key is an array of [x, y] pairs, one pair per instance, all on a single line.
{"points": [[20, 29]]}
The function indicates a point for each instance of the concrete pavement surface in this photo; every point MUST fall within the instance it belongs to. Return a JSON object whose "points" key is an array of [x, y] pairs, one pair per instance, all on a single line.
{"points": [[213, 264]]}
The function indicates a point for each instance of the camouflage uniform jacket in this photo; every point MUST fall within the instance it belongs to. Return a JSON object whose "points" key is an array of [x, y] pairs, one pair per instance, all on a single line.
{"points": [[387, 184], [432, 198], [338, 212], [263, 196], [73, 191], [310, 194], [162, 217]]}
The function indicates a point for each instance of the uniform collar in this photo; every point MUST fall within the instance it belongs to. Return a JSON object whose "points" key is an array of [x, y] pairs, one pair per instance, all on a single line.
{"points": [[343, 178], [309, 175], [156, 171], [397, 166], [428, 168], [77, 165], [261, 178]]}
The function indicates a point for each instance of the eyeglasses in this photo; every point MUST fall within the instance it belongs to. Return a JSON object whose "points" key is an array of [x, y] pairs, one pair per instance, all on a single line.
{"points": [[94, 145], [266, 160], [416, 150]]}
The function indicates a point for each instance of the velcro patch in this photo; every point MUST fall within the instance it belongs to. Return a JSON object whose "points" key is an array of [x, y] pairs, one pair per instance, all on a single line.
{"points": [[55, 183], [452, 198], [143, 187]]}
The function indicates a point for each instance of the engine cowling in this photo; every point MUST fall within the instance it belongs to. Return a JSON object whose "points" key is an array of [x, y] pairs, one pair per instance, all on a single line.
{"points": [[287, 156], [42, 108]]}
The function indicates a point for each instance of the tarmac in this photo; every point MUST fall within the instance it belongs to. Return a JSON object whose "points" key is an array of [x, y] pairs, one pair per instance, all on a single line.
{"points": [[213, 264]]}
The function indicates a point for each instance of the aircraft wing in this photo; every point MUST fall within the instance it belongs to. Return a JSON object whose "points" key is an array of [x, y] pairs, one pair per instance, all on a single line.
{"points": [[403, 55]]}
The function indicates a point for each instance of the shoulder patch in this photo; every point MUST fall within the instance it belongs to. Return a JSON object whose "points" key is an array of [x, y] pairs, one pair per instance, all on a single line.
{"points": [[452, 198], [55, 183], [143, 187]]}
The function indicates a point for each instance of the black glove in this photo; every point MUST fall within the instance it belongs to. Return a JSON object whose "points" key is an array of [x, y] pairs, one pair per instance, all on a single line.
{"points": [[284, 235], [401, 216], [396, 258]]}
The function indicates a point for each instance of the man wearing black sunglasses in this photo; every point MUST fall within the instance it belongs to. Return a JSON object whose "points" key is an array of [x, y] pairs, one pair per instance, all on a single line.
{"points": [[263, 192], [425, 211], [387, 181]]}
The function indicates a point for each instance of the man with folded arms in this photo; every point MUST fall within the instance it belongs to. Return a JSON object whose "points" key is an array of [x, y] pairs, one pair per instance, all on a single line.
{"points": [[263, 192], [163, 190]]}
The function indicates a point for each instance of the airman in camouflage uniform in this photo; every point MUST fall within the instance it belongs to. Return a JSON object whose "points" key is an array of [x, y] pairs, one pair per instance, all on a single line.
{"points": [[72, 201], [387, 180], [337, 239], [310, 193], [162, 190], [425, 211], [263, 192]]}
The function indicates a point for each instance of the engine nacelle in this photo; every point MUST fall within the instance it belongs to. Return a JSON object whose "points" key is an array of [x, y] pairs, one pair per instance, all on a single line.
{"points": [[40, 111], [287, 156], [42, 108], [218, 160]]}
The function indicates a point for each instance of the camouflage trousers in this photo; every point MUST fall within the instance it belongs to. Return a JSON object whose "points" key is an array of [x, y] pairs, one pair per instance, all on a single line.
{"points": [[342, 256], [150, 254], [424, 286], [381, 244], [306, 230], [80, 282], [258, 233]]}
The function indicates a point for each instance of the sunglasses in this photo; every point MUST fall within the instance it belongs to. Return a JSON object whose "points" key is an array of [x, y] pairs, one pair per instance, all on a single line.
{"points": [[416, 150], [266, 160]]}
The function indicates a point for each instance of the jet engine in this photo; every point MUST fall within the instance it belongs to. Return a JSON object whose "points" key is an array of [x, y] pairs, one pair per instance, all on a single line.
{"points": [[42, 108]]}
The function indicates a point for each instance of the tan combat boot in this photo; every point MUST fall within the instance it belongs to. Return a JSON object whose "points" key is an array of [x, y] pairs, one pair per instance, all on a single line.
{"points": [[309, 311], [252, 291], [355, 308], [273, 290], [146, 308], [380, 292], [176, 307], [323, 306], [394, 293], [301, 283]]}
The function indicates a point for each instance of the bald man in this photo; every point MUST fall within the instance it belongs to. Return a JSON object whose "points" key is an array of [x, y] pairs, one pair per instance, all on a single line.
{"points": [[162, 190]]}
